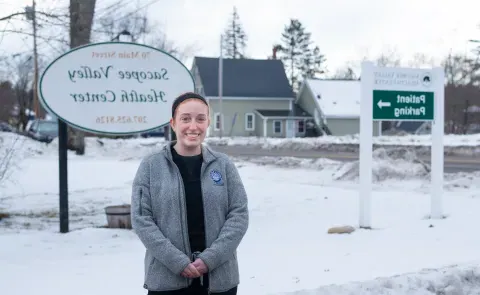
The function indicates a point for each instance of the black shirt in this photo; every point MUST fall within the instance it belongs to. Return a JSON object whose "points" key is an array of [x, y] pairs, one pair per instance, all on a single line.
{"points": [[190, 167]]}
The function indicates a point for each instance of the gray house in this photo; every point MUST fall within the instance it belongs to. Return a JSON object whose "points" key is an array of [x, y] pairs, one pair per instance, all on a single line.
{"points": [[335, 105], [257, 99]]}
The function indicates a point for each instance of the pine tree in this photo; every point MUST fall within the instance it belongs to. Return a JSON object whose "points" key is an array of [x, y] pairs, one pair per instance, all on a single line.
{"points": [[235, 38], [313, 61], [300, 59]]}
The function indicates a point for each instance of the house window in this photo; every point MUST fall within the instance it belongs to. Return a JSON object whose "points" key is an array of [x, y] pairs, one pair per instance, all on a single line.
{"points": [[277, 127], [301, 126], [217, 122], [249, 122]]}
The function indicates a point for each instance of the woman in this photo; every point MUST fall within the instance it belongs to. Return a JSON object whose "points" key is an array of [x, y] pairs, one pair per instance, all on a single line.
{"points": [[189, 209]]}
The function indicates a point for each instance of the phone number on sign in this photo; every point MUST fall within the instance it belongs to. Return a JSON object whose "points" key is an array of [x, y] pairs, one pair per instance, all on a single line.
{"points": [[121, 119]]}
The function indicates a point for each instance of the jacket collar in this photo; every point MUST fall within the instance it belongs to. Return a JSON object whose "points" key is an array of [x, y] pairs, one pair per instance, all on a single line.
{"points": [[207, 154]]}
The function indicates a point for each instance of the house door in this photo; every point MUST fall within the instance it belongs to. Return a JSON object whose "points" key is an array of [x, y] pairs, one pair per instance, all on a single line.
{"points": [[290, 129]]}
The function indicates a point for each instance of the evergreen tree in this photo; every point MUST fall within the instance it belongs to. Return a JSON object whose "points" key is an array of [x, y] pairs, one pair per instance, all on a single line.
{"points": [[235, 38], [301, 59]]}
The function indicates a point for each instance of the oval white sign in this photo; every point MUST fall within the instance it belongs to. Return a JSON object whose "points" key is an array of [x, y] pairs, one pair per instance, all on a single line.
{"points": [[114, 87]]}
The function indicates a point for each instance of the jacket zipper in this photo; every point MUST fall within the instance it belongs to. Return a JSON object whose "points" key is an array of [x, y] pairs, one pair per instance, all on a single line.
{"points": [[183, 219], [202, 173], [186, 241], [140, 202]]}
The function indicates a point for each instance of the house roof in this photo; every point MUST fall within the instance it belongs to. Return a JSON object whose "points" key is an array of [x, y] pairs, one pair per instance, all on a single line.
{"points": [[337, 98], [296, 112], [245, 77]]}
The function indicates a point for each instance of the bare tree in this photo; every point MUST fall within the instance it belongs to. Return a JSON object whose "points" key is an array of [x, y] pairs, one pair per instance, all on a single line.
{"points": [[389, 58], [7, 101], [109, 27], [352, 68], [461, 70], [9, 162], [161, 41], [23, 70], [140, 29], [420, 60], [7, 153], [81, 21], [345, 73], [462, 93]]}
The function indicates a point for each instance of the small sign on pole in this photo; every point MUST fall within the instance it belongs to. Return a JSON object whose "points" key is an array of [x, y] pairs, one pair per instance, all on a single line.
{"points": [[402, 105], [401, 94]]}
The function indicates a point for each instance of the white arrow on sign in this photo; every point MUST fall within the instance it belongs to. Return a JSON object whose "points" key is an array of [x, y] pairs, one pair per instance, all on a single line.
{"points": [[383, 104]]}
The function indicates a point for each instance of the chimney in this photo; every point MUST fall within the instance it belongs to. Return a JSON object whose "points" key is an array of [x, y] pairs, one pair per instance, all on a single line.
{"points": [[274, 52]]}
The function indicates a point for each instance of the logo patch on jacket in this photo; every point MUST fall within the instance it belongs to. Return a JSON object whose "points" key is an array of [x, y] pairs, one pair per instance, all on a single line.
{"points": [[216, 177]]}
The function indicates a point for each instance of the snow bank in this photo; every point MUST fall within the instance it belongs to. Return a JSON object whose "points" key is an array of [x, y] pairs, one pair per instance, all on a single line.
{"points": [[400, 164], [454, 144], [292, 162], [123, 149], [464, 280], [396, 163], [471, 140]]}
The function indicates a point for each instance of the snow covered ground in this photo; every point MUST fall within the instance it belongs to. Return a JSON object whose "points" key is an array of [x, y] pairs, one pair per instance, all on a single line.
{"points": [[287, 249]]}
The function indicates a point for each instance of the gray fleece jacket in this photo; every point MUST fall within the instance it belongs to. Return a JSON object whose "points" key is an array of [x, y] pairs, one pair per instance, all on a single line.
{"points": [[159, 219]]}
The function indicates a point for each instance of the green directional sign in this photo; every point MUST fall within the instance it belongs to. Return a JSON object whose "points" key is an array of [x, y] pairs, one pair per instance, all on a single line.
{"points": [[394, 105]]}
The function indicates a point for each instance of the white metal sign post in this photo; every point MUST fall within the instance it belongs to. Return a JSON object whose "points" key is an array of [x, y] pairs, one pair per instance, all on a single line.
{"points": [[401, 94]]}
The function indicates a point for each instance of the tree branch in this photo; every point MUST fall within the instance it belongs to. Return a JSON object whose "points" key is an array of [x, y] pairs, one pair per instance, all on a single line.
{"points": [[12, 15], [24, 13], [39, 37]]}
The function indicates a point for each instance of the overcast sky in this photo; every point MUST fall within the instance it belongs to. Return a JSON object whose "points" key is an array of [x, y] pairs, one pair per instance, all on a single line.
{"points": [[344, 30]]}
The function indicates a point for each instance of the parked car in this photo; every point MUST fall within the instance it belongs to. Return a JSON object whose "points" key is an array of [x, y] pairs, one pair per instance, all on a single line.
{"points": [[158, 132], [43, 130], [5, 127]]}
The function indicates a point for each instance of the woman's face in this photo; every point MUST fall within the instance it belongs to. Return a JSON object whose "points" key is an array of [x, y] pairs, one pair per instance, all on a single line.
{"points": [[190, 123]]}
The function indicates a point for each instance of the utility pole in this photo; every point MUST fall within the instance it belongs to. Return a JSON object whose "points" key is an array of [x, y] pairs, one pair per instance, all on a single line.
{"points": [[31, 14], [36, 105], [220, 84]]}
